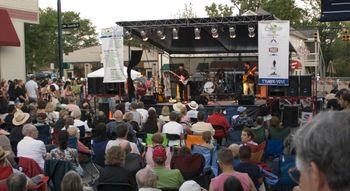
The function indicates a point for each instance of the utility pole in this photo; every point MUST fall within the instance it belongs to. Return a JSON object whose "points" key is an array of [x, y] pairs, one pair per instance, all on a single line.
{"points": [[59, 38]]}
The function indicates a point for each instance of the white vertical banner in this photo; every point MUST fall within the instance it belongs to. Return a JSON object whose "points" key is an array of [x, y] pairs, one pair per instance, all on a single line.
{"points": [[112, 54], [273, 53]]}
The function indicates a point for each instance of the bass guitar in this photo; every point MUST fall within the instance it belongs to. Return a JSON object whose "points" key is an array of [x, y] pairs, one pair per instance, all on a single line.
{"points": [[250, 72], [182, 79]]}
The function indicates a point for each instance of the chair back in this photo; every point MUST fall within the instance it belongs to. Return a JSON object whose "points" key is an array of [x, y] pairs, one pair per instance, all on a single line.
{"points": [[210, 156], [190, 165], [193, 140], [82, 131], [149, 141], [219, 131], [29, 166], [274, 148], [173, 137], [44, 133], [114, 187], [99, 152], [258, 152]]}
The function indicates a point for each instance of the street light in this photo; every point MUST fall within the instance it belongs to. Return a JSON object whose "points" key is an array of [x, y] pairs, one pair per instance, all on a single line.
{"points": [[59, 38]]}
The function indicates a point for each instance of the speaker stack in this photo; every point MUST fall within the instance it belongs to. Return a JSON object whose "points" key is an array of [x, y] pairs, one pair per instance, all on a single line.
{"points": [[298, 86]]}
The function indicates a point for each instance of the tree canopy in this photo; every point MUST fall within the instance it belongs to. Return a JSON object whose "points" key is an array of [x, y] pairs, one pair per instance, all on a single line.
{"points": [[41, 39]]}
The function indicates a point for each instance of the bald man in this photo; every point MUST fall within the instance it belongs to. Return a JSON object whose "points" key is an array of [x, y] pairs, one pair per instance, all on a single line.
{"points": [[112, 127]]}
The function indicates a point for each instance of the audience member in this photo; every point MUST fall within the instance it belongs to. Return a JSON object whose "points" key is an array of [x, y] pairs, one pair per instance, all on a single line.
{"points": [[192, 114], [76, 114], [17, 182], [16, 135], [136, 115], [146, 180], [235, 153], [276, 131], [32, 89], [344, 100], [112, 127], [322, 152], [133, 162], [201, 126], [151, 125], [225, 162], [247, 137], [164, 115], [173, 127], [220, 120], [63, 152], [144, 113], [246, 166], [30, 147], [207, 138], [191, 185], [128, 117], [232, 184], [259, 130], [157, 140], [114, 172], [164, 174], [122, 133], [72, 182], [242, 120], [99, 144]]}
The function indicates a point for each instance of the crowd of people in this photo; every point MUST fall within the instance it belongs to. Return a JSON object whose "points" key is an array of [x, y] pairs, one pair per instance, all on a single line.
{"points": [[182, 147]]}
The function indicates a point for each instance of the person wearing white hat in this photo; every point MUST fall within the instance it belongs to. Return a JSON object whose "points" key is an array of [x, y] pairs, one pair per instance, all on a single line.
{"points": [[193, 112], [191, 185], [242, 120]]}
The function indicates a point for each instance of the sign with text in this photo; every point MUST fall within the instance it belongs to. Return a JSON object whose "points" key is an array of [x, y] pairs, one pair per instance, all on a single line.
{"points": [[273, 53], [70, 25], [112, 54]]}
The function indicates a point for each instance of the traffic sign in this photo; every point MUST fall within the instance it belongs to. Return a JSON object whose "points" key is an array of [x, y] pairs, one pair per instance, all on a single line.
{"points": [[70, 25]]}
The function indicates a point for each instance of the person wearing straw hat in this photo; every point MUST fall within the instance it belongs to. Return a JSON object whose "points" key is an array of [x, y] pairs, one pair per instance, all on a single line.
{"points": [[193, 105], [19, 119], [6, 145]]}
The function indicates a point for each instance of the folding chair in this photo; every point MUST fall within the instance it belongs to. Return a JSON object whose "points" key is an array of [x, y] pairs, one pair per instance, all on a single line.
{"points": [[193, 140], [218, 131], [114, 187]]}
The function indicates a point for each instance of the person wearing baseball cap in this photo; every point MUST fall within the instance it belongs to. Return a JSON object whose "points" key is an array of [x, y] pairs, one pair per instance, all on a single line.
{"points": [[166, 178]]}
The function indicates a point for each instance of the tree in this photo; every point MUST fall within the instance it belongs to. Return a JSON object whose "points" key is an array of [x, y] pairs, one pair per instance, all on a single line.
{"points": [[186, 13], [219, 10], [41, 39]]}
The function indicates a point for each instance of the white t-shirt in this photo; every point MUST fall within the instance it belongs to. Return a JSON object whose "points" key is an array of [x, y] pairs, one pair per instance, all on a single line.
{"points": [[173, 127], [144, 114], [192, 114], [31, 87], [31, 148]]}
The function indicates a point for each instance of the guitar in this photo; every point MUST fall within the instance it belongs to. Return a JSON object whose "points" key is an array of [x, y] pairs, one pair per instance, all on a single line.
{"points": [[250, 72], [182, 79]]}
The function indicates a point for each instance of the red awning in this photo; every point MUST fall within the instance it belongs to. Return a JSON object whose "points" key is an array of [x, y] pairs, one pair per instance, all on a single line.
{"points": [[8, 35], [295, 65]]}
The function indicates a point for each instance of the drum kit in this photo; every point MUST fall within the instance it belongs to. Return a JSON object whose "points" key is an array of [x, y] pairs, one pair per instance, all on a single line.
{"points": [[214, 85]]}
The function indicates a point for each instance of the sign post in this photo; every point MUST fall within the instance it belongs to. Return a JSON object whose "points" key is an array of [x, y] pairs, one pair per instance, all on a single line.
{"points": [[70, 25]]}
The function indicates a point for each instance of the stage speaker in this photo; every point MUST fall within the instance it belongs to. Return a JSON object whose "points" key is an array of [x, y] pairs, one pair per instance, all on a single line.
{"points": [[148, 100], [104, 106], [305, 85], [276, 91], [290, 116], [96, 86], [293, 88], [246, 100]]}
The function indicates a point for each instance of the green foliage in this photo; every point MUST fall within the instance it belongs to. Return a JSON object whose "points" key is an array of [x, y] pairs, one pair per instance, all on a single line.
{"points": [[41, 39], [219, 10]]}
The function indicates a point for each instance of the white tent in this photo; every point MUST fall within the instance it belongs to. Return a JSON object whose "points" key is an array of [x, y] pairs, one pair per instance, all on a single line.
{"points": [[100, 73]]}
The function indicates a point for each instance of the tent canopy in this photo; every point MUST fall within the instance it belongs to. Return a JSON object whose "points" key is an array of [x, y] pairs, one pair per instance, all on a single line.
{"points": [[100, 73]]}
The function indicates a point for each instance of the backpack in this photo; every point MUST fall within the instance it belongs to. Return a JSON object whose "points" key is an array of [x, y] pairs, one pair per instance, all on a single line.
{"points": [[280, 167]]}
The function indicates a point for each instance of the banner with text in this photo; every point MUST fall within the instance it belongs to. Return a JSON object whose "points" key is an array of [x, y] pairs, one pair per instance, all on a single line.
{"points": [[112, 54], [273, 53]]}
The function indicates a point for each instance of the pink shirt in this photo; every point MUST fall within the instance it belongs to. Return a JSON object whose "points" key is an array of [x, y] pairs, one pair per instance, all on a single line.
{"points": [[217, 183]]}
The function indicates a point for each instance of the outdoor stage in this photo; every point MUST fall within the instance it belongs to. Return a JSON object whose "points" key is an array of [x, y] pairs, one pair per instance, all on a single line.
{"points": [[230, 107]]}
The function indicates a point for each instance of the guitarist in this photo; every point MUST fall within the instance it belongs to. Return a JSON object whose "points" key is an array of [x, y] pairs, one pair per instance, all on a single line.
{"points": [[248, 79], [182, 87]]}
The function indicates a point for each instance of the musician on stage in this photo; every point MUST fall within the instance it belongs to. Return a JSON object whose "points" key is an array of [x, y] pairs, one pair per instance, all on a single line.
{"points": [[182, 86], [248, 79]]}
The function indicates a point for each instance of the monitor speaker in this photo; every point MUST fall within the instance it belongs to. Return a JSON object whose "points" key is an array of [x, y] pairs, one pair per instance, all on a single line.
{"points": [[96, 86], [293, 88], [290, 116], [148, 100], [246, 100], [276, 91], [305, 85]]}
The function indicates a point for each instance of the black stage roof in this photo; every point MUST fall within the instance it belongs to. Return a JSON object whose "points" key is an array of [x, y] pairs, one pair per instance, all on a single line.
{"points": [[186, 42]]}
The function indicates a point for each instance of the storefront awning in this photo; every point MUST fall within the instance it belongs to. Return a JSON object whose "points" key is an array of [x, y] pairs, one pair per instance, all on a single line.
{"points": [[8, 35]]}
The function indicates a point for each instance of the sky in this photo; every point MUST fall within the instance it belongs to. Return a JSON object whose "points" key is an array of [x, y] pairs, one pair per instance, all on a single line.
{"points": [[104, 13]]}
